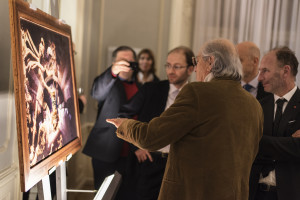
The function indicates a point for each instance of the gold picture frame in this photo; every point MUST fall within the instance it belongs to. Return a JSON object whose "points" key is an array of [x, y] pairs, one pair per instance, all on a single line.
{"points": [[46, 103]]}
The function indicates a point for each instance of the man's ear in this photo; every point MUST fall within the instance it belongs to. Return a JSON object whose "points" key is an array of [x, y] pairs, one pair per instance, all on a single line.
{"points": [[209, 68], [286, 70], [191, 69], [211, 61], [256, 60]]}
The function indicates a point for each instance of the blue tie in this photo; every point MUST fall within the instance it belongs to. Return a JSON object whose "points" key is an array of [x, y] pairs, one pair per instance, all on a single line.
{"points": [[247, 87]]}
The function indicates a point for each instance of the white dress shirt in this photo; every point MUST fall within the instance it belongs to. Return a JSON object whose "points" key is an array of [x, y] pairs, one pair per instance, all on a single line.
{"points": [[254, 84], [173, 92]]}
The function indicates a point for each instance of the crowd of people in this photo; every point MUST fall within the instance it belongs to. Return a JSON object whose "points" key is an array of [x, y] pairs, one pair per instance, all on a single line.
{"points": [[232, 134]]}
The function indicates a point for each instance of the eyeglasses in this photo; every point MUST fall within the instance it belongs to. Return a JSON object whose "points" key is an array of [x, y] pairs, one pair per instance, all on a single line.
{"points": [[196, 59], [175, 67]]}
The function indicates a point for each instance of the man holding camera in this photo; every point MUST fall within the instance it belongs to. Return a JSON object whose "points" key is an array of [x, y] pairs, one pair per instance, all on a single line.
{"points": [[111, 89]]}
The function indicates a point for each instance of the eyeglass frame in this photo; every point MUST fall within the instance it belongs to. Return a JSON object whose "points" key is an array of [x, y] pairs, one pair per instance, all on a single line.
{"points": [[195, 60]]}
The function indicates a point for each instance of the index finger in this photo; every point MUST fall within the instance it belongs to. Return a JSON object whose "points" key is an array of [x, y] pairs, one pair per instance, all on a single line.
{"points": [[112, 121], [149, 156]]}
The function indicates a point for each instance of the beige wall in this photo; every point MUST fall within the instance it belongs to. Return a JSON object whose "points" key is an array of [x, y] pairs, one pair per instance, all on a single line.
{"points": [[181, 23]]}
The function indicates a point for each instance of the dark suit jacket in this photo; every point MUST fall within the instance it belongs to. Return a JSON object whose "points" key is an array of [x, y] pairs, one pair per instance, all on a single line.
{"points": [[102, 142], [156, 79], [214, 139], [149, 102], [261, 92], [283, 150]]}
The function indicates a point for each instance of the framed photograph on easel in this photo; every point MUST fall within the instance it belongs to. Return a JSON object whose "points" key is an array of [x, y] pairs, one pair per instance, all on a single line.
{"points": [[45, 91]]}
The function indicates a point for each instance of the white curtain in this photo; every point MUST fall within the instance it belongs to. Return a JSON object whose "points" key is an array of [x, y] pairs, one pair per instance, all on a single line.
{"points": [[268, 23]]}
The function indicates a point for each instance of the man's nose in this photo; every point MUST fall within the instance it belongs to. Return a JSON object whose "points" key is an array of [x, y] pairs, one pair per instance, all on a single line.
{"points": [[170, 70]]}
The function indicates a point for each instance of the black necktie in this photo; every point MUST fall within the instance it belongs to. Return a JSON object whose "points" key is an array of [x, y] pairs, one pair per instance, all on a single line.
{"points": [[278, 115], [271, 166], [247, 87]]}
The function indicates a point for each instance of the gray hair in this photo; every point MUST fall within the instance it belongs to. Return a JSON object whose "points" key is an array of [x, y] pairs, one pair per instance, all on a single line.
{"points": [[226, 60]]}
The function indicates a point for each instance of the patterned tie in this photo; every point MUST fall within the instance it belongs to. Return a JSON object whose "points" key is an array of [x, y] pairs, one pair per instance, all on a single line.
{"points": [[248, 87], [278, 115]]}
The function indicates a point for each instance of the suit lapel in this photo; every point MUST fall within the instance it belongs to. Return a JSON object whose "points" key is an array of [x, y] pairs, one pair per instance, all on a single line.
{"points": [[164, 92], [291, 110], [268, 108]]}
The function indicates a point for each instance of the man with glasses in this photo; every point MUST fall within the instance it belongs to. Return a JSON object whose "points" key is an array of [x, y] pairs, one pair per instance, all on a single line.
{"points": [[214, 127], [151, 100]]}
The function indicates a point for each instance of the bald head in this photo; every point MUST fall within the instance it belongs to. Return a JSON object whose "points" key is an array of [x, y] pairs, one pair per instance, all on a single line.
{"points": [[249, 55]]}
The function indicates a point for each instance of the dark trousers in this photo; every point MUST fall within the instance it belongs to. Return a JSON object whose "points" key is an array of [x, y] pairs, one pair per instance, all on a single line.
{"points": [[103, 169], [149, 178], [265, 195]]}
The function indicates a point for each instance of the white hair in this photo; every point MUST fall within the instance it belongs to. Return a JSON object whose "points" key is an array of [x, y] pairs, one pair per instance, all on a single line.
{"points": [[226, 60]]}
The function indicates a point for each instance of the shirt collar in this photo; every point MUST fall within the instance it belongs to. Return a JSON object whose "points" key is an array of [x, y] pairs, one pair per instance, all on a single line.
{"points": [[173, 88], [253, 82], [140, 76], [287, 96]]}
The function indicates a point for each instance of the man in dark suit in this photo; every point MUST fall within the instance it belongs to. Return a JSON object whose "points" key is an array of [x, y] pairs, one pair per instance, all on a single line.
{"points": [[111, 89], [151, 100], [249, 55], [275, 173]]}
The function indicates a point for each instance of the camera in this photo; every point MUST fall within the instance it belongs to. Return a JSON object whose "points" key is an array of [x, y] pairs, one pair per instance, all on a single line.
{"points": [[133, 65]]}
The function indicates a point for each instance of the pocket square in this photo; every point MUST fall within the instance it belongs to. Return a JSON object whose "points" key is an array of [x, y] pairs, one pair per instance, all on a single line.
{"points": [[292, 121]]}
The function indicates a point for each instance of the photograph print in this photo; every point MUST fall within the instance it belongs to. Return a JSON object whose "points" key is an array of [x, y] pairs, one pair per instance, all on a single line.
{"points": [[48, 86]]}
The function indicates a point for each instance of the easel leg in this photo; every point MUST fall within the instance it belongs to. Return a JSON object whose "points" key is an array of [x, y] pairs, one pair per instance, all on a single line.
{"points": [[43, 186], [61, 185]]}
